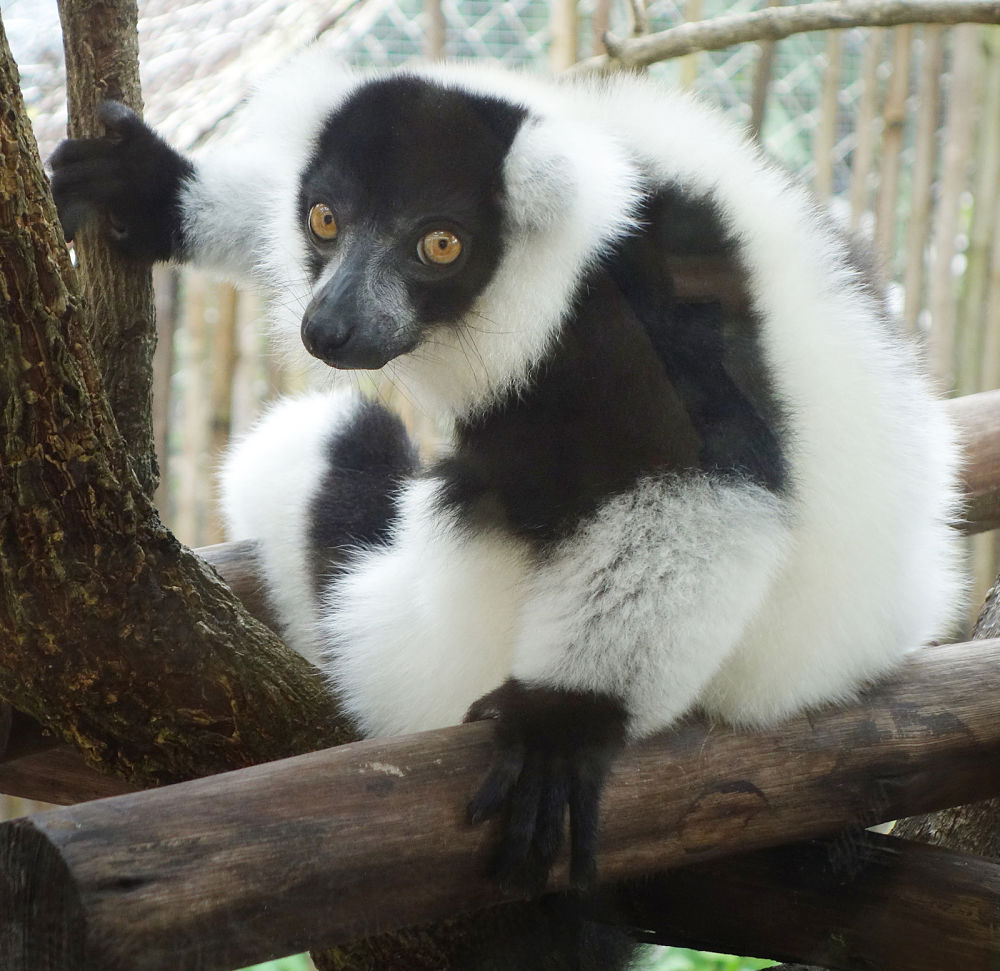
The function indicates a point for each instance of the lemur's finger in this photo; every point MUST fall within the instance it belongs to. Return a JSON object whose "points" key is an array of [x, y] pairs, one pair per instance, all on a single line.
{"points": [[119, 119], [503, 775]]}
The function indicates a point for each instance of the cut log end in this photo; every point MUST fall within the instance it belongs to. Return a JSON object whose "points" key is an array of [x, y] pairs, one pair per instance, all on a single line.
{"points": [[42, 924]]}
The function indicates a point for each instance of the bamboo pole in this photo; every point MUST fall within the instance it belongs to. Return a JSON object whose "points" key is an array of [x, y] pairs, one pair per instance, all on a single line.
{"points": [[762, 81], [435, 30], [564, 18], [248, 384], [926, 151], [689, 62], [222, 374], [991, 346], [972, 323], [600, 22], [973, 370], [188, 519], [638, 17], [962, 95], [987, 551], [865, 127], [826, 133], [894, 120]]}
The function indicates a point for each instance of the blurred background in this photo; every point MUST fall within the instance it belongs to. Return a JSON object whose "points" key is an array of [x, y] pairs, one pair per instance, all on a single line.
{"points": [[897, 130]]}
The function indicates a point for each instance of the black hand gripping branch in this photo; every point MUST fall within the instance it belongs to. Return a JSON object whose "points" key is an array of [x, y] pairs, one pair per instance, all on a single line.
{"points": [[130, 177], [554, 749]]}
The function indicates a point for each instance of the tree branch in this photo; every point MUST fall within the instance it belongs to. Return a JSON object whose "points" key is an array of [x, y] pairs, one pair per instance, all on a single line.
{"points": [[775, 23]]}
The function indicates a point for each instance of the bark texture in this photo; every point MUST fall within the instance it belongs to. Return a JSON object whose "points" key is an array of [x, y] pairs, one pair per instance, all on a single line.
{"points": [[101, 43], [111, 634]]}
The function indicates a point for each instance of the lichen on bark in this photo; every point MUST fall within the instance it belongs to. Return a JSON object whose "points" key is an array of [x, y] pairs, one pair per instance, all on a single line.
{"points": [[111, 633]]}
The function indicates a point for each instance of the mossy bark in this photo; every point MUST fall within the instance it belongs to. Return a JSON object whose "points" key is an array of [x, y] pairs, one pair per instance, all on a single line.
{"points": [[100, 39], [111, 634]]}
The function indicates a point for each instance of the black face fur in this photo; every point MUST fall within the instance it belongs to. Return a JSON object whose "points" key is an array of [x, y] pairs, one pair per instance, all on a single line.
{"points": [[402, 157]]}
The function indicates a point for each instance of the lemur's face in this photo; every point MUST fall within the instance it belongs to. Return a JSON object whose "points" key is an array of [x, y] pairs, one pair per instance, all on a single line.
{"points": [[401, 208]]}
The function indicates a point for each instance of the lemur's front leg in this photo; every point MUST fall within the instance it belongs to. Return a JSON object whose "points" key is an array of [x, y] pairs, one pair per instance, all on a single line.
{"points": [[612, 645]]}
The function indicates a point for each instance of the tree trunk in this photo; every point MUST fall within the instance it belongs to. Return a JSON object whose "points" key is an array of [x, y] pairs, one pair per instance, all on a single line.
{"points": [[111, 634], [102, 61]]}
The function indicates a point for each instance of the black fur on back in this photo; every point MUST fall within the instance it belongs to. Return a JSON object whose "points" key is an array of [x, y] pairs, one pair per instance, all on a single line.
{"points": [[707, 334], [647, 377]]}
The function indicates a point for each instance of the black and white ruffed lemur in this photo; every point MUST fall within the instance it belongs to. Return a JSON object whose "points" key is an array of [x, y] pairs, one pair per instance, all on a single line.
{"points": [[658, 496]]}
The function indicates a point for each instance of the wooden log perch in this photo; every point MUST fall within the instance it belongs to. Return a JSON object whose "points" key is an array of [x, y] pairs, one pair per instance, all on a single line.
{"points": [[776, 23], [366, 837], [856, 904]]}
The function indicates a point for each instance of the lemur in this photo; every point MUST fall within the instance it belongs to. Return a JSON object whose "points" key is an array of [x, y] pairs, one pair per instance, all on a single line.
{"points": [[692, 465]]}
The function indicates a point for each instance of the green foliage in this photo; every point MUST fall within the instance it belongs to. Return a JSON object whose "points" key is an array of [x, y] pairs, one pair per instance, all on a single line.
{"points": [[681, 959], [654, 959], [297, 962]]}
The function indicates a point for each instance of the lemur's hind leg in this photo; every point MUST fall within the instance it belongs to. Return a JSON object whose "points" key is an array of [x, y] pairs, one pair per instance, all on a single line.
{"points": [[314, 480]]}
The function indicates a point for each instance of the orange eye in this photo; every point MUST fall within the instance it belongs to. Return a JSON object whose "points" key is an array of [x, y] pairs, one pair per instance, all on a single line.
{"points": [[439, 248], [321, 222]]}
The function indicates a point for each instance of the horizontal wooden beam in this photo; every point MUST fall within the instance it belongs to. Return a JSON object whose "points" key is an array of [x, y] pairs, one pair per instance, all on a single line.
{"points": [[977, 417], [854, 903], [371, 836]]}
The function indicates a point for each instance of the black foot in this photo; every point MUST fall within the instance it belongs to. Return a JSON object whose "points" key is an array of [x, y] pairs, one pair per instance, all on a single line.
{"points": [[553, 752]]}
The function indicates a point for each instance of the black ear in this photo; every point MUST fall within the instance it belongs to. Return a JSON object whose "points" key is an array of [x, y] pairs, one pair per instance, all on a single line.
{"points": [[130, 178], [500, 118]]}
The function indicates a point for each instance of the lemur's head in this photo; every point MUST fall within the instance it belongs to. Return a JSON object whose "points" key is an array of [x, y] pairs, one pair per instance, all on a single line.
{"points": [[429, 207]]}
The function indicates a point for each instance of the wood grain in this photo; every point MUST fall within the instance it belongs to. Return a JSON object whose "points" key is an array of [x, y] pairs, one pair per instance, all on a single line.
{"points": [[850, 904], [366, 837]]}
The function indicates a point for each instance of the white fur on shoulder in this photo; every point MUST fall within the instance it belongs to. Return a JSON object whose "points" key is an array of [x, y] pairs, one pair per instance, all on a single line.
{"points": [[647, 599]]}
